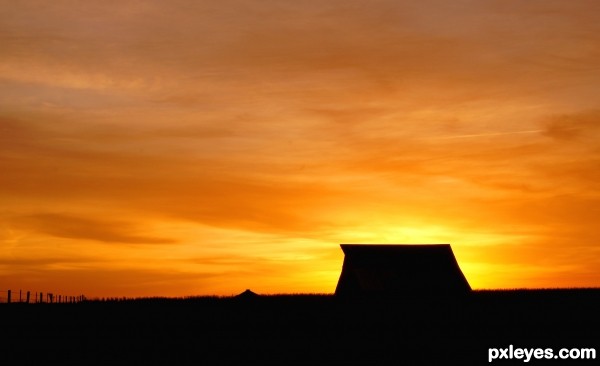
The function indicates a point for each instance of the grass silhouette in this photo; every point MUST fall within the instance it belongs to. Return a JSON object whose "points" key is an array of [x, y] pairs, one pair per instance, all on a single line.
{"points": [[307, 329]]}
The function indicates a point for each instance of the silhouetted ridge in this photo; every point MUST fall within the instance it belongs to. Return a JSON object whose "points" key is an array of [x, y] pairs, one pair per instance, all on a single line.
{"points": [[400, 270]]}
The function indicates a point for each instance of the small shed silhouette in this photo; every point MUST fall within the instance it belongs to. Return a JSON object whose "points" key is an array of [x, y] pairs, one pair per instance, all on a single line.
{"points": [[248, 295], [400, 270]]}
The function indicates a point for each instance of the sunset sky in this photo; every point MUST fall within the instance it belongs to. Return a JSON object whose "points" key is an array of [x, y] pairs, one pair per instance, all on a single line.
{"points": [[204, 147]]}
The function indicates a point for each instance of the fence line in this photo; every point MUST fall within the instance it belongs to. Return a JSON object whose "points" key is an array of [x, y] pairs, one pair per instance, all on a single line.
{"points": [[28, 297]]}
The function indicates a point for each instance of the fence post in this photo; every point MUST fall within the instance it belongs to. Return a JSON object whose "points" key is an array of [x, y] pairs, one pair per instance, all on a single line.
{"points": [[9, 293], [41, 297], [20, 298], [28, 296]]}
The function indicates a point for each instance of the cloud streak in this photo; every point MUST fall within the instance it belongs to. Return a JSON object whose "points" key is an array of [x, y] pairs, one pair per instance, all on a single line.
{"points": [[575, 126], [73, 227]]}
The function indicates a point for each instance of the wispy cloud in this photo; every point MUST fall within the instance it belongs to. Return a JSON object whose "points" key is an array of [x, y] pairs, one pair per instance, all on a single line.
{"points": [[74, 227], [487, 134], [573, 126]]}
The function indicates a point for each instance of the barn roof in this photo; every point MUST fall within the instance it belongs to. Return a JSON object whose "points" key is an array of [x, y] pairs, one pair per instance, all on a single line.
{"points": [[400, 269]]}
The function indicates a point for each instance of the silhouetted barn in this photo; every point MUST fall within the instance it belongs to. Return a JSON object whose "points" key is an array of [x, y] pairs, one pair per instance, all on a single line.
{"points": [[400, 270]]}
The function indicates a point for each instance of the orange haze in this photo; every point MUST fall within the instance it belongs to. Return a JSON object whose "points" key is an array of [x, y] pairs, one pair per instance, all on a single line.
{"points": [[201, 147]]}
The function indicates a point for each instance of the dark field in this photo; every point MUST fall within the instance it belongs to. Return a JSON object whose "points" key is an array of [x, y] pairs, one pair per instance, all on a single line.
{"points": [[302, 329]]}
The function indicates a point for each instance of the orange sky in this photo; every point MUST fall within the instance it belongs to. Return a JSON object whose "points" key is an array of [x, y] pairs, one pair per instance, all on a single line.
{"points": [[201, 147]]}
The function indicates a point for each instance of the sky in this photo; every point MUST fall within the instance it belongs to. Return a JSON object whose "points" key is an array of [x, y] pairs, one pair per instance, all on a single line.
{"points": [[154, 148]]}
